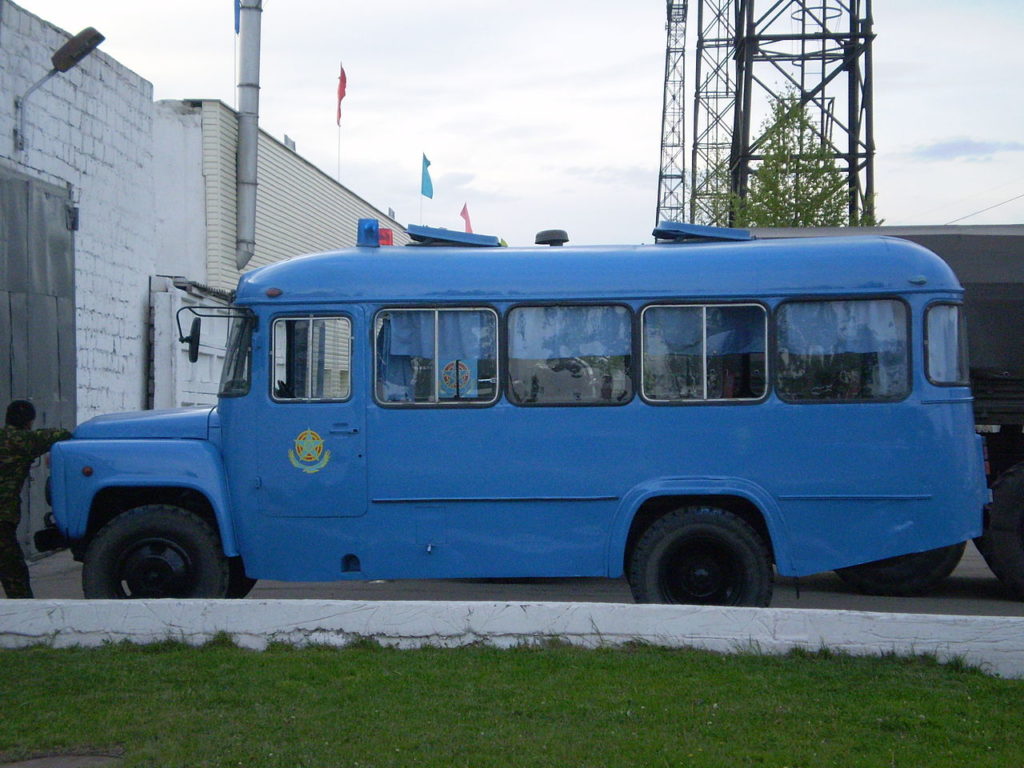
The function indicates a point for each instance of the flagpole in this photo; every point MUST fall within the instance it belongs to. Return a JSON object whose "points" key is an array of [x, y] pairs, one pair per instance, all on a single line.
{"points": [[339, 153]]}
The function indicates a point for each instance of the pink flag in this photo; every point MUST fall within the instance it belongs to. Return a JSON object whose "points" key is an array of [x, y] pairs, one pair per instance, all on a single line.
{"points": [[342, 83], [465, 216]]}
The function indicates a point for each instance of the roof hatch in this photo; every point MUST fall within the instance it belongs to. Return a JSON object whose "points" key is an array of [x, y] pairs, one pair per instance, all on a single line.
{"points": [[438, 236], [679, 232]]}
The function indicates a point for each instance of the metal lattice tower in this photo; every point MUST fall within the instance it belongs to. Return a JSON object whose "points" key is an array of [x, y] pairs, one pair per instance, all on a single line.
{"points": [[714, 99], [672, 176], [816, 50]]}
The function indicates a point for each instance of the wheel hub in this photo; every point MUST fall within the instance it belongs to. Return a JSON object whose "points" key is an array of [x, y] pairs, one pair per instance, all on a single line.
{"points": [[701, 572], [702, 578], [155, 568]]}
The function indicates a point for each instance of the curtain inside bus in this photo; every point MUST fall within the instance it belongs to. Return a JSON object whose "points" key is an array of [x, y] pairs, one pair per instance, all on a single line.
{"points": [[411, 368]]}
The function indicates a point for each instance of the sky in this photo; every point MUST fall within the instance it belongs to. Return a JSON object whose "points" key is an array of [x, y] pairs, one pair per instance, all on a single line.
{"points": [[540, 114]]}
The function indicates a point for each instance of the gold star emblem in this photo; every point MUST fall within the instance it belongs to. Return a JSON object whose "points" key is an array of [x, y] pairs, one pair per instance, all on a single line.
{"points": [[309, 446], [309, 454]]}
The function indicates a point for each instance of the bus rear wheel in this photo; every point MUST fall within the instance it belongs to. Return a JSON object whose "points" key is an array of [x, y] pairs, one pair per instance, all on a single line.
{"points": [[905, 575], [1002, 543], [701, 556], [155, 551]]}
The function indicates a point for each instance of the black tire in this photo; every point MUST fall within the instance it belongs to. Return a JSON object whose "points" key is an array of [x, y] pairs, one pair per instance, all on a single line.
{"points": [[152, 552], [239, 585], [905, 575], [701, 556], [1002, 542]]}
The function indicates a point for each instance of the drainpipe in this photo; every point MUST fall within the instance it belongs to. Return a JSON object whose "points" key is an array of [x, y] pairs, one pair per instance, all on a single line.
{"points": [[248, 127]]}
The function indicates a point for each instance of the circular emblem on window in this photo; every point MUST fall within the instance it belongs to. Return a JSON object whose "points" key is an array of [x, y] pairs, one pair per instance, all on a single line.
{"points": [[455, 376], [309, 454]]}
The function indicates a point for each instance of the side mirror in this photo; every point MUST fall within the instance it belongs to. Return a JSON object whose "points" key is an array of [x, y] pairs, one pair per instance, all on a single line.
{"points": [[193, 339]]}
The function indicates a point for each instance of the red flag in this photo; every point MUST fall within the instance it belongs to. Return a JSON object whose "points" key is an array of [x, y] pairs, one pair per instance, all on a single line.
{"points": [[342, 83], [465, 216]]}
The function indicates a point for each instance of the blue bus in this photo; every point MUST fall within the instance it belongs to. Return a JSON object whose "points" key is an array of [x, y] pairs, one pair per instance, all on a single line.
{"points": [[697, 415]]}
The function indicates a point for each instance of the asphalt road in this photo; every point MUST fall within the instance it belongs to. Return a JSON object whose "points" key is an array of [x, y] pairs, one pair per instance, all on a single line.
{"points": [[971, 590]]}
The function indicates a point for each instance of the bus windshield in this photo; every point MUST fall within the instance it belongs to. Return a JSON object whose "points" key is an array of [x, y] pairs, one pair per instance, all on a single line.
{"points": [[236, 377]]}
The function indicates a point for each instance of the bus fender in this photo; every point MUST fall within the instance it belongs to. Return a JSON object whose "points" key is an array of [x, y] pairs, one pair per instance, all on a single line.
{"points": [[81, 469], [632, 501]]}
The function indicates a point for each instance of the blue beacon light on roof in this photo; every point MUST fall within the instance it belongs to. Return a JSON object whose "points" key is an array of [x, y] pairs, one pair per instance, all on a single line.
{"points": [[368, 233]]}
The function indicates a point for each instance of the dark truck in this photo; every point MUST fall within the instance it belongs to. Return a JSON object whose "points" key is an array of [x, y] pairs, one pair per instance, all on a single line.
{"points": [[989, 261]]}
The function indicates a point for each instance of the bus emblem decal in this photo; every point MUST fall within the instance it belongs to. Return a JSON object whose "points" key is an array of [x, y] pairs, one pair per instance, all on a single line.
{"points": [[309, 454], [458, 379]]}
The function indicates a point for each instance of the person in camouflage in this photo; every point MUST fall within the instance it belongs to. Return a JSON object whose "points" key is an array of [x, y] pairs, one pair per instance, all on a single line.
{"points": [[20, 445]]}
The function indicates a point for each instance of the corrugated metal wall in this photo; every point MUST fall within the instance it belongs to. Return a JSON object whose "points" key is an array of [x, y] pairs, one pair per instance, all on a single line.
{"points": [[299, 208]]}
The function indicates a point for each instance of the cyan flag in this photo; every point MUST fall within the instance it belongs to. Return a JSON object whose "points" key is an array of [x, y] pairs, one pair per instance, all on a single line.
{"points": [[426, 187]]}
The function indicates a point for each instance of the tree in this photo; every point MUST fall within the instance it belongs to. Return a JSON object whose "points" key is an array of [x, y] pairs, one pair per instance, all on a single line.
{"points": [[797, 183]]}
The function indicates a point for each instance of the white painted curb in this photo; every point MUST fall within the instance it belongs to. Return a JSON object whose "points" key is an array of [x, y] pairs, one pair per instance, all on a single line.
{"points": [[994, 643]]}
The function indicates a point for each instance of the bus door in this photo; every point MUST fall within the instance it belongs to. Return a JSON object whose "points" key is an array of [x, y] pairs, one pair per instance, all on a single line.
{"points": [[309, 449]]}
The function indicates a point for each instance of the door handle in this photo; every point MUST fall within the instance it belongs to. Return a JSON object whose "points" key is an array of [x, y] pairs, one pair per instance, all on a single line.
{"points": [[343, 429]]}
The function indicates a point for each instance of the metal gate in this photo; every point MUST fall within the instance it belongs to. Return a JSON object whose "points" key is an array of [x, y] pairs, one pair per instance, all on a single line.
{"points": [[37, 314]]}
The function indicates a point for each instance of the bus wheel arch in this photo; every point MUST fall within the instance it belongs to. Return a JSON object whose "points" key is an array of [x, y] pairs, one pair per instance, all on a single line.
{"points": [[700, 550], [114, 500]]}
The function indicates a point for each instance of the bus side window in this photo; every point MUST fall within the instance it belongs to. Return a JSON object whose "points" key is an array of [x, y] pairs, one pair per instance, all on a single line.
{"points": [[570, 355], [697, 352], [312, 358], [842, 350], [946, 345], [673, 359], [405, 355], [435, 356]]}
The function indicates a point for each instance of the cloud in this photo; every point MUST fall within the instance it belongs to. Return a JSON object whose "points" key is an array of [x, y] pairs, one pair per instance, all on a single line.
{"points": [[637, 176], [965, 149], [457, 179]]}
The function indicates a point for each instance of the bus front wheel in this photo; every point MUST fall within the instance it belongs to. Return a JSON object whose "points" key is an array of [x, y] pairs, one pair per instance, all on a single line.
{"points": [[905, 575], [701, 556], [155, 551]]}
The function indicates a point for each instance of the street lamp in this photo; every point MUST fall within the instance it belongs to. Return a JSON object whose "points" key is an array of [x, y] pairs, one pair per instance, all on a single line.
{"points": [[63, 59]]}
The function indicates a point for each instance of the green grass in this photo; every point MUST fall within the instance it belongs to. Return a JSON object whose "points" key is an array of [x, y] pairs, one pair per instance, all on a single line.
{"points": [[171, 705]]}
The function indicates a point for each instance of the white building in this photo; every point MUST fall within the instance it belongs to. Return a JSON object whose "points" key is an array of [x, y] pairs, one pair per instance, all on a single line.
{"points": [[114, 212]]}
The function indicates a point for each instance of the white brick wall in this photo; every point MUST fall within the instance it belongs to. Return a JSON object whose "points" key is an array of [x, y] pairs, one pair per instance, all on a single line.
{"points": [[91, 127]]}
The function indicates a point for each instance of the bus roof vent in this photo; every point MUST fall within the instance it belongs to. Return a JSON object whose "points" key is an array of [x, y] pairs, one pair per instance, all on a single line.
{"points": [[554, 237], [678, 232], [438, 236]]}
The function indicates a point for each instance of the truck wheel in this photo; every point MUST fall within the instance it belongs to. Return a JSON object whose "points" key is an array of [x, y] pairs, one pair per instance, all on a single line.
{"points": [[701, 556], [1002, 543], [239, 585], [155, 551], [905, 575]]}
